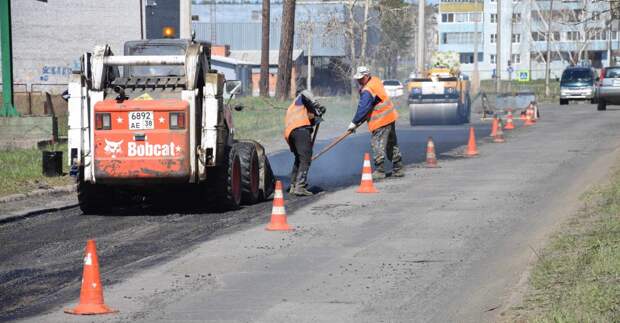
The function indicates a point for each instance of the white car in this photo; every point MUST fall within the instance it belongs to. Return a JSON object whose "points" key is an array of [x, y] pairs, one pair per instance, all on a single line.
{"points": [[393, 88]]}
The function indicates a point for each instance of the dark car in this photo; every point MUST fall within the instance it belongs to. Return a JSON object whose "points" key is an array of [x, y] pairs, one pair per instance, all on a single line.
{"points": [[577, 83]]}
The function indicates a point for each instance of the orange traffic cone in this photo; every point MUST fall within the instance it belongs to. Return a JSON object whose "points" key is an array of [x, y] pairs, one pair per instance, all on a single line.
{"points": [[366, 185], [431, 158], [499, 135], [522, 117], [278, 212], [91, 293], [472, 149], [528, 117], [494, 127], [509, 124]]}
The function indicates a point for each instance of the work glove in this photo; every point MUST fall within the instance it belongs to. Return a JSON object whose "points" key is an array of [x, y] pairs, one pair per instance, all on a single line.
{"points": [[352, 127]]}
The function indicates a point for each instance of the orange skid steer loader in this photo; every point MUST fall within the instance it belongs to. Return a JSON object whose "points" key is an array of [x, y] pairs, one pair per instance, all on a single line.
{"points": [[154, 120]]}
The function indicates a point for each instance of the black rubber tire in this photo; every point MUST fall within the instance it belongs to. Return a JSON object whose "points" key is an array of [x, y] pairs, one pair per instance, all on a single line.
{"points": [[602, 105], [92, 199], [268, 179], [563, 101], [228, 180], [250, 172]]}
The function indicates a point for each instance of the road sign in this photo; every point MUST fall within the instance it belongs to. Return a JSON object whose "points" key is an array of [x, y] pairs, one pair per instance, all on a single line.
{"points": [[509, 69], [523, 75]]}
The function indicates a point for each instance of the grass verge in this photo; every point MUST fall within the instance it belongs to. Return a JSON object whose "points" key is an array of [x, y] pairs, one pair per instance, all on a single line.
{"points": [[21, 170], [262, 119], [577, 277]]}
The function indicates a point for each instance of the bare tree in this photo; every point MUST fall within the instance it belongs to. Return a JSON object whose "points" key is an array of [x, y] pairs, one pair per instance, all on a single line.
{"points": [[285, 61], [264, 57]]}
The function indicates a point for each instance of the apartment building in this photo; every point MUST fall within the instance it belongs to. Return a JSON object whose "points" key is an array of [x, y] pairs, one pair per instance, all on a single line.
{"points": [[580, 30]]}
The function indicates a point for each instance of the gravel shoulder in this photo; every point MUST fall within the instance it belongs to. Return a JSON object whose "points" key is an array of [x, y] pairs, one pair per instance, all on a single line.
{"points": [[440, 245]]}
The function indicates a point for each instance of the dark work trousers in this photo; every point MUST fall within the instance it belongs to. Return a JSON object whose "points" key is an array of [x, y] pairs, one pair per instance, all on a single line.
{"points": [[383, 141], [300, 142]]}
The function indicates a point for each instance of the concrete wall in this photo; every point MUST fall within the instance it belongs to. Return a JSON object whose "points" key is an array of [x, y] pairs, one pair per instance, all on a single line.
{"points": [[49, 37]]}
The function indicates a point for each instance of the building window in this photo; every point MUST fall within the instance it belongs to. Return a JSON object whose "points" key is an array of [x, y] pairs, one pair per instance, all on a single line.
{"points": [[596, 15], [466, 58], [493, 38], [458, 38], [598, 35], [460, 17], [475, 16], [573, 36], [536, 36], [516, 58], [516, 18], [493, 18], [492, 58], [447, 17], [516, 38]]}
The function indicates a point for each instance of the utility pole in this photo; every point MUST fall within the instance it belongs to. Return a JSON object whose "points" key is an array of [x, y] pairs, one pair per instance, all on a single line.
{"points": [[498, 49], [8, 109], [609, 43], [548, 58], [310, 34], [509, 62], [185, 19], [475, 78], [421, 38], [264, 54]]}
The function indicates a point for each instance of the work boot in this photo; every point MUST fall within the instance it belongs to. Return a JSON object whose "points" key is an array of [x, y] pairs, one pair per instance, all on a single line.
{"points": [[302, 191], [379, 173], [398, 172], [291, 188], [300, 185]]}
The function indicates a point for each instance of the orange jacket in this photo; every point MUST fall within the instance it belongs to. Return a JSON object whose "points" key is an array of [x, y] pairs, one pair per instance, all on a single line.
{"points": [[383, 113], [296, 116]]}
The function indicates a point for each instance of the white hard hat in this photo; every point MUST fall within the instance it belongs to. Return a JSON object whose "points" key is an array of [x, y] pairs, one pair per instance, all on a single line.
{"points": [[361, 71]]}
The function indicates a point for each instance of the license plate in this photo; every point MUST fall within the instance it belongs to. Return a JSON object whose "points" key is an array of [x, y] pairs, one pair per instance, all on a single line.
{"points": [[140, 120]]}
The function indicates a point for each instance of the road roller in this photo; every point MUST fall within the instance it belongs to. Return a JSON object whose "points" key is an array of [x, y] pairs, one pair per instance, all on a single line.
{"points": [[440, 97]]}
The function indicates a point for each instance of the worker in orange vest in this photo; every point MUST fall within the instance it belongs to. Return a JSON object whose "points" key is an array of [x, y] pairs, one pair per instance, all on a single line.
{"points": [[376, 107], [301, 118]]}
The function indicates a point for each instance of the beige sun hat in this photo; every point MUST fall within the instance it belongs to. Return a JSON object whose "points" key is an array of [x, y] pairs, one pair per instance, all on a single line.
{"points": [[361, 71]]}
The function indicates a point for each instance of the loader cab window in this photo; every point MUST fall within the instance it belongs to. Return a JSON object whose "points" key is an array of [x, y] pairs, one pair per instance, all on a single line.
{"points": [[157, 70]]}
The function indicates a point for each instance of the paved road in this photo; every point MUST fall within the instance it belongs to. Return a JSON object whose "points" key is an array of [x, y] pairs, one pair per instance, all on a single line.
{"points": [[40, 255], [439, 245]]}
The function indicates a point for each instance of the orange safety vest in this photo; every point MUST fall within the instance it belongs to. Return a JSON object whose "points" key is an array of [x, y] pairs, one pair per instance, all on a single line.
{"points": [[296, 116], [383, 113]]}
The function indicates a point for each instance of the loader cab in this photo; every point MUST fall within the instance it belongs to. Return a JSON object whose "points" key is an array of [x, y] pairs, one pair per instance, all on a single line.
{"points": [[146, 123], [162, 47]]}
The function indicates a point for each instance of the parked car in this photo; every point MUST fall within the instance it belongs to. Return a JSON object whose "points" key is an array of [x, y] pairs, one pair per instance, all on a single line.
{"points": [[394, 88], [577, 83], [608, 91]]}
